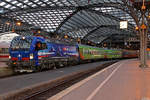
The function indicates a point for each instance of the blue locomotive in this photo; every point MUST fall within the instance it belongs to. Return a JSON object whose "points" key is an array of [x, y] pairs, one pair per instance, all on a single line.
{"points": [[36, 53], [31, 53]]}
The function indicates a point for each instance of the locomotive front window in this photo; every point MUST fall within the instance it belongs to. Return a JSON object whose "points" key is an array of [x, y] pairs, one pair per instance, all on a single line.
{"points": [[21, 43]]}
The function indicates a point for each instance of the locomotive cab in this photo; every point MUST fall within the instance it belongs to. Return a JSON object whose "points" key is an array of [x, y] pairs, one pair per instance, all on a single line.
{"points": [[40, 46], [24, 52]]}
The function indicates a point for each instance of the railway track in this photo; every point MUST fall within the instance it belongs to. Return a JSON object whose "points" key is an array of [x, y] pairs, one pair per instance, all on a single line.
{"points": [[48, 92], [23, 73]]}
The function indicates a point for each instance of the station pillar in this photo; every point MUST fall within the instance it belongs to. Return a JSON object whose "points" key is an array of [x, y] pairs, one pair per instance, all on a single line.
{"points": [[143, 44], [143, 47]]}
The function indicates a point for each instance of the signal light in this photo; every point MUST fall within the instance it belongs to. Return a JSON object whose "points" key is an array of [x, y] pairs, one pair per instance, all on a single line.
{"points": [[143, 26]]}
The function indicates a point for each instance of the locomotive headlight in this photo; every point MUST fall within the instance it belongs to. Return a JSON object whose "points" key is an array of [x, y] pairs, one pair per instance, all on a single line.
{"points": [[9, 57], [31, 56]]}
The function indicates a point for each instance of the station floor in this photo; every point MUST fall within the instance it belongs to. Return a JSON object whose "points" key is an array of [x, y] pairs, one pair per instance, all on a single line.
{"points": [[5, 70], [2, 64], [124, 80]]}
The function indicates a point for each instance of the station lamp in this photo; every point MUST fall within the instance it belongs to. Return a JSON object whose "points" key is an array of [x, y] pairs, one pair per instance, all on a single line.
{"points": [[136, 28], [143, 7], [105, 44], [149, 16], [7, 23], [39, 31], [123, 24], [65, 36], [18, 23]]}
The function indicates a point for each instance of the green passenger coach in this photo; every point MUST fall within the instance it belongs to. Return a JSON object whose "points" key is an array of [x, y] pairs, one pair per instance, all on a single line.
{"points": [[89, 52]]}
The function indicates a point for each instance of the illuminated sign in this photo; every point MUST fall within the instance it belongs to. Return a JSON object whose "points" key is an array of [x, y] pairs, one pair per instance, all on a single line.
{"points": [[123, 24]]}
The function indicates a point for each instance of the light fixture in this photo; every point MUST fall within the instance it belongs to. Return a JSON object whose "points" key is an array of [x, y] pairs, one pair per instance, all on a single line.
{"points": [[143, 6], [143, 26], [65, 36], [18, 23], [8, 23], [136, 28], [39, 31], [123, 24], [148, 16], [23, 38]]}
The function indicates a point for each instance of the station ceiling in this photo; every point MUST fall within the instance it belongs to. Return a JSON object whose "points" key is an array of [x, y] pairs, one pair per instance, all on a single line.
{"points": [[91, 20]]}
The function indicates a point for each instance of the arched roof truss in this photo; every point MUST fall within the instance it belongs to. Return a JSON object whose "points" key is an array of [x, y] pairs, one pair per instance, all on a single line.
{"points": [[92, 20]]}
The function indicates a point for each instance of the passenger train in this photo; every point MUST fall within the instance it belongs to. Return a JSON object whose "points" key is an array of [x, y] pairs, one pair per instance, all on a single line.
{"points": [[33, 53], [4, 55], [5, 39]]}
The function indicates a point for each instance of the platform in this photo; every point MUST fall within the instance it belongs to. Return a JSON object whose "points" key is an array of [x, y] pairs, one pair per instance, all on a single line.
{"points": [[18, 84], [121, 81], [5, 70]]}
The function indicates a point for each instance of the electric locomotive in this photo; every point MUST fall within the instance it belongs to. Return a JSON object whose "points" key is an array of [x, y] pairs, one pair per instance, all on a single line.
{"points": [[35, 53]]}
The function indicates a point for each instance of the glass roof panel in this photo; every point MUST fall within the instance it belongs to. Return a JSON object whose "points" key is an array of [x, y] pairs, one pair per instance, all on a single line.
{"points": [[49, 19], [8, 6], [36, 0], [8, 0], [19, 4], [2, 3], [14, 2], [25, 1]]}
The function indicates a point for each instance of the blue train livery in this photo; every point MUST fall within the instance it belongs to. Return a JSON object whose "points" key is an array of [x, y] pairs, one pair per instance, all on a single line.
{"points": [[36, 53], [31, 53]]}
